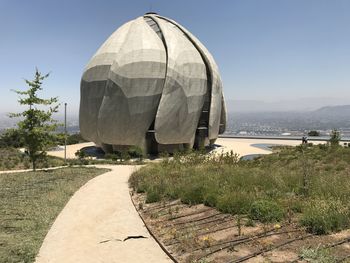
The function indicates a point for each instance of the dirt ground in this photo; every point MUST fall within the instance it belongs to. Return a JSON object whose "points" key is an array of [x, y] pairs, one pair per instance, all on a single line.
{"points": [[203, 234]]}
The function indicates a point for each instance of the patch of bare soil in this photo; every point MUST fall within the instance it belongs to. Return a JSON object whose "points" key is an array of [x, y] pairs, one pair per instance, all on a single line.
{"points": [[203, 234]]}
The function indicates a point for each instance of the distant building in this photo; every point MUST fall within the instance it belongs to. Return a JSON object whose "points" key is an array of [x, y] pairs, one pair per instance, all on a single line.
{"points": [[154, 85]]}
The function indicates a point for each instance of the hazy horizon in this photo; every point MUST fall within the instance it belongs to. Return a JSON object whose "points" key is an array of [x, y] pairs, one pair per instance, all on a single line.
{"points": [[237, 106]]}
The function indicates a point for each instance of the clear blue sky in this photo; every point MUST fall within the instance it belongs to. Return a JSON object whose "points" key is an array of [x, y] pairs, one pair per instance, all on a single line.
{"points": [[266, 50]]}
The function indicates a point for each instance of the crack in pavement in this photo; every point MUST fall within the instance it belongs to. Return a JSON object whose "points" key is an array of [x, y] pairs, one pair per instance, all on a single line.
{"points": [[125, 239]]}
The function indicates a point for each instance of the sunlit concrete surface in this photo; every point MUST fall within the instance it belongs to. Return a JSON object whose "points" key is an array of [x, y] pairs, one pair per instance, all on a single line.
{"points": [[247, 146], [71, 150]]}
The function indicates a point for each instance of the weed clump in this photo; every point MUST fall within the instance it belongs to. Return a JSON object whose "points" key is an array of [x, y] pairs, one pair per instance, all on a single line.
{"points": [[325, 216], [154, 194], [317, 254], [266, 211], [234, 202]]}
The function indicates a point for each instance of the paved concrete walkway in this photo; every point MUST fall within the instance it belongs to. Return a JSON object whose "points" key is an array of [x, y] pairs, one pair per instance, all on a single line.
{"points": [[71, 150], [246, 146], [94, 223], [251, 146]]}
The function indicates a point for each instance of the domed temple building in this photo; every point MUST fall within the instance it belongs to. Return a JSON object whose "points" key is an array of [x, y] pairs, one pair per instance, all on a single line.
{"points": [[152, 84]]}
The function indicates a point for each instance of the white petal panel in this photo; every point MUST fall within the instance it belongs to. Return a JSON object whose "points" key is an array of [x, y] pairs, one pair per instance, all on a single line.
{"points": [[184, 89], [134, 87], [94, 80], [216, 84]]}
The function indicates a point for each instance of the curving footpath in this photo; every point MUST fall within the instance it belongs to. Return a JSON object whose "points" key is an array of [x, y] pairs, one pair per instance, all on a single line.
{"points": [[100, 224]]}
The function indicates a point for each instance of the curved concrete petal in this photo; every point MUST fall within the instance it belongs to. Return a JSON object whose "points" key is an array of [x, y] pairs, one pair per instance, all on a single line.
{"points": [[135, 83], [94, 82], [184, 89], [216, 84], [223, 117]]}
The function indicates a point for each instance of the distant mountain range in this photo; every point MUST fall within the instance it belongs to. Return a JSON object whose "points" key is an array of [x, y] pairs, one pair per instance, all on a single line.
{"points": [[324, 118], [343, 110], [297, 105]]}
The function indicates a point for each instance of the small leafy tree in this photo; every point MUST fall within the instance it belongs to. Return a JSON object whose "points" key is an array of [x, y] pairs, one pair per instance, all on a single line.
{"points": [[334, 138], [37, 125]]}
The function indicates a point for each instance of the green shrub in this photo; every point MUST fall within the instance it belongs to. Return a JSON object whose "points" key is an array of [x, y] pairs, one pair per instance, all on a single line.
{"points": [[135, 152], [125, 156], [193, 194], [11, 138], [249, 223], [227, 158], [313, 133], [266, 211], [112, 156], [323, 146], [75, 138], [296, 207], [80, 154], [71, 138], [210, 198], [317, 254], [234, 202], [154, 194], [26, 164], [334, 138], [324, 216]]}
